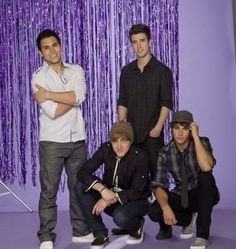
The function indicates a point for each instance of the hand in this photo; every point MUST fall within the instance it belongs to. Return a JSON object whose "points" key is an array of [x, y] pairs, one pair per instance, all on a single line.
{"points": [[41, 95], [109, 196], [155, 132], [169, 216], [194, 129], [99, 207]]}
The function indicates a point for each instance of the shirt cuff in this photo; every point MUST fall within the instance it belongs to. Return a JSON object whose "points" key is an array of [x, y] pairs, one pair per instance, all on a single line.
{"points": [[91, 186]]}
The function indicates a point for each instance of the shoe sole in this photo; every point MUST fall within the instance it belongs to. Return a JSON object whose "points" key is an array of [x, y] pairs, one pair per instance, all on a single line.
{"points": [[101, 246], [186, 236], [135, 241], [198, 247], [83, 239]]}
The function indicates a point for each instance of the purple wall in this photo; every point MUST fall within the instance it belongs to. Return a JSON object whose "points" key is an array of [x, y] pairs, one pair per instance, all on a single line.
{"points": [[207, 88], [208, 82]]}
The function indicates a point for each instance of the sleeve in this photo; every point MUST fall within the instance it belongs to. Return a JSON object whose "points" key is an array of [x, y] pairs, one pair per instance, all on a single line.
{"points": [[122, 91], [86, 174], [161, 178], [79, 85], [166, 88], [207, 145], [49, 106], [140, 182]]}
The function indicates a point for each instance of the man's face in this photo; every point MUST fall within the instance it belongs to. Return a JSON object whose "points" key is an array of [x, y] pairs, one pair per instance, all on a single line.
{"points": [[141, 45], [121, 146], [50, 50], [181, 134]]}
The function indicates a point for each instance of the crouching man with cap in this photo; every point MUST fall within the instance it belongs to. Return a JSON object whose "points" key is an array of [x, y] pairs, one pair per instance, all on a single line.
{"points": [[188, 161], [121, 192]]}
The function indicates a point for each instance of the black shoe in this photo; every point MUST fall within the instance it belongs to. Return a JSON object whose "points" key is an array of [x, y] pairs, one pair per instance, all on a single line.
{"points": [[164, 234], [99, 242], [119, 231], [136, 237]]}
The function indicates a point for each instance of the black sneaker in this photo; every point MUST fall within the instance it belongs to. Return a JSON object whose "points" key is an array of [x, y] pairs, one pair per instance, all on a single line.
{"points": [[119, 231], [136, 237], [164, 234], [99, 242]]}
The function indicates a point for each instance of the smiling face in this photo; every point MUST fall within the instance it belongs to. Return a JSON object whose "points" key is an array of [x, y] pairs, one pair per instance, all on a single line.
{"points": [[140, 44], [121, 146], [50, 50], [181, 134]]}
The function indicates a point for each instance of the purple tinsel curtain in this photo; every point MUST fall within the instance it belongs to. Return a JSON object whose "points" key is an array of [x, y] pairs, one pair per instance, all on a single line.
{"points": [[95, 35]]}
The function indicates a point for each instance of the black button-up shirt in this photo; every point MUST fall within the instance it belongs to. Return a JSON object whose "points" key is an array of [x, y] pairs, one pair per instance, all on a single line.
{"points": [[144, 93]]}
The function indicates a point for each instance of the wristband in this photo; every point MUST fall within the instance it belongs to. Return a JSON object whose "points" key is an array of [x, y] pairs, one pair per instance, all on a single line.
{"points": [[100, 191]]}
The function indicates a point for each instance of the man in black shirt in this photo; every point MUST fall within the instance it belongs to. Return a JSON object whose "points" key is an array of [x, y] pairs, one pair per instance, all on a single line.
{"points": [[145, 96]]}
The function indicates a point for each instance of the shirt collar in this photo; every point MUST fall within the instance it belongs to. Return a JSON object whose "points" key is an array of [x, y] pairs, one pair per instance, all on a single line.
{"points": [[150, 64], [176, 150], [46, 66]]}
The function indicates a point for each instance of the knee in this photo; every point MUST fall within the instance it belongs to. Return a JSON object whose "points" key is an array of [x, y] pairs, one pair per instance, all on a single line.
{"points": [[206, 179], [155, 212], [207, 183], [120, 219]]}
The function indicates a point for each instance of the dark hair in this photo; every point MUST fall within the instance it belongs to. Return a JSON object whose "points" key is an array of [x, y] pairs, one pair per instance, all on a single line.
{"points": [[140, 28], [45, 34]]}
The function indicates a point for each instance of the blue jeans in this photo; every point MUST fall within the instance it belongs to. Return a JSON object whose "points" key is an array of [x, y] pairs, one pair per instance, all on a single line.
{"points": [[128, 216]]}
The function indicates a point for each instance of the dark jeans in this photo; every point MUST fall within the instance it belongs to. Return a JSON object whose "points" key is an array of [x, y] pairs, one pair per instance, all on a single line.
{"points": [[151, 147], [201, 200], [53, 157], [128, 216]]}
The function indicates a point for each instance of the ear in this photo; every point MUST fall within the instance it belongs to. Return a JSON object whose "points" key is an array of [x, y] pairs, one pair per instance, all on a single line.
{"points": [[40, 53], [150, 42]]}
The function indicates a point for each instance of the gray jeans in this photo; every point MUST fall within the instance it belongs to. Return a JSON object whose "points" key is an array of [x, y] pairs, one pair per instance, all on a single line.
{"points": [[53, 157]]}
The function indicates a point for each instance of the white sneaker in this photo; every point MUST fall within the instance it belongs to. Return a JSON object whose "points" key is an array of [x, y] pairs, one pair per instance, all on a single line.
{"points": [[199, 243], [46, 245], [83, 239], [187, 232]]}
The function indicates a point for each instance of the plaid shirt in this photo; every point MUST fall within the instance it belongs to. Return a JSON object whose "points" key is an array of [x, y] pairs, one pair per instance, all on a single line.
{"points": [[169, 164]]}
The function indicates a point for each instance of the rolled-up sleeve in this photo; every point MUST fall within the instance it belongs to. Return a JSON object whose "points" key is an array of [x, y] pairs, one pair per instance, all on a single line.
{"points": [[161, 177], [49, 106], [79, 85], [207, 145], [122, 92], [166, 88]]}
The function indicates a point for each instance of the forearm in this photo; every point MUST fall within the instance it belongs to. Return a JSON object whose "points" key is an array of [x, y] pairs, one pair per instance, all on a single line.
{"points": [[122, 112], [162, 198], [204, 158], [99, 187], [61, 109], [162, 117], [68, 98], [108, 195]]}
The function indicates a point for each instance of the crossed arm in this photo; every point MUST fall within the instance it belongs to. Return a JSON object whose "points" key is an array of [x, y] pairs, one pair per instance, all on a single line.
{"points": [[65, 100]]}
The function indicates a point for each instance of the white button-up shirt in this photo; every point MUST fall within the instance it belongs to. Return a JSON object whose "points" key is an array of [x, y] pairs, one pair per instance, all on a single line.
{"points": [[70, 126]]}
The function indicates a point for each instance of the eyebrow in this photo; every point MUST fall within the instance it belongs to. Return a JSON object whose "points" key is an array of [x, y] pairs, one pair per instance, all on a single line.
{"points": [[53, 44]]}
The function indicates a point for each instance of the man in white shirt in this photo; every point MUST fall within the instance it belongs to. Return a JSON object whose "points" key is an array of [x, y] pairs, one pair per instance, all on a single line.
{"points": [[59, 89]]}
